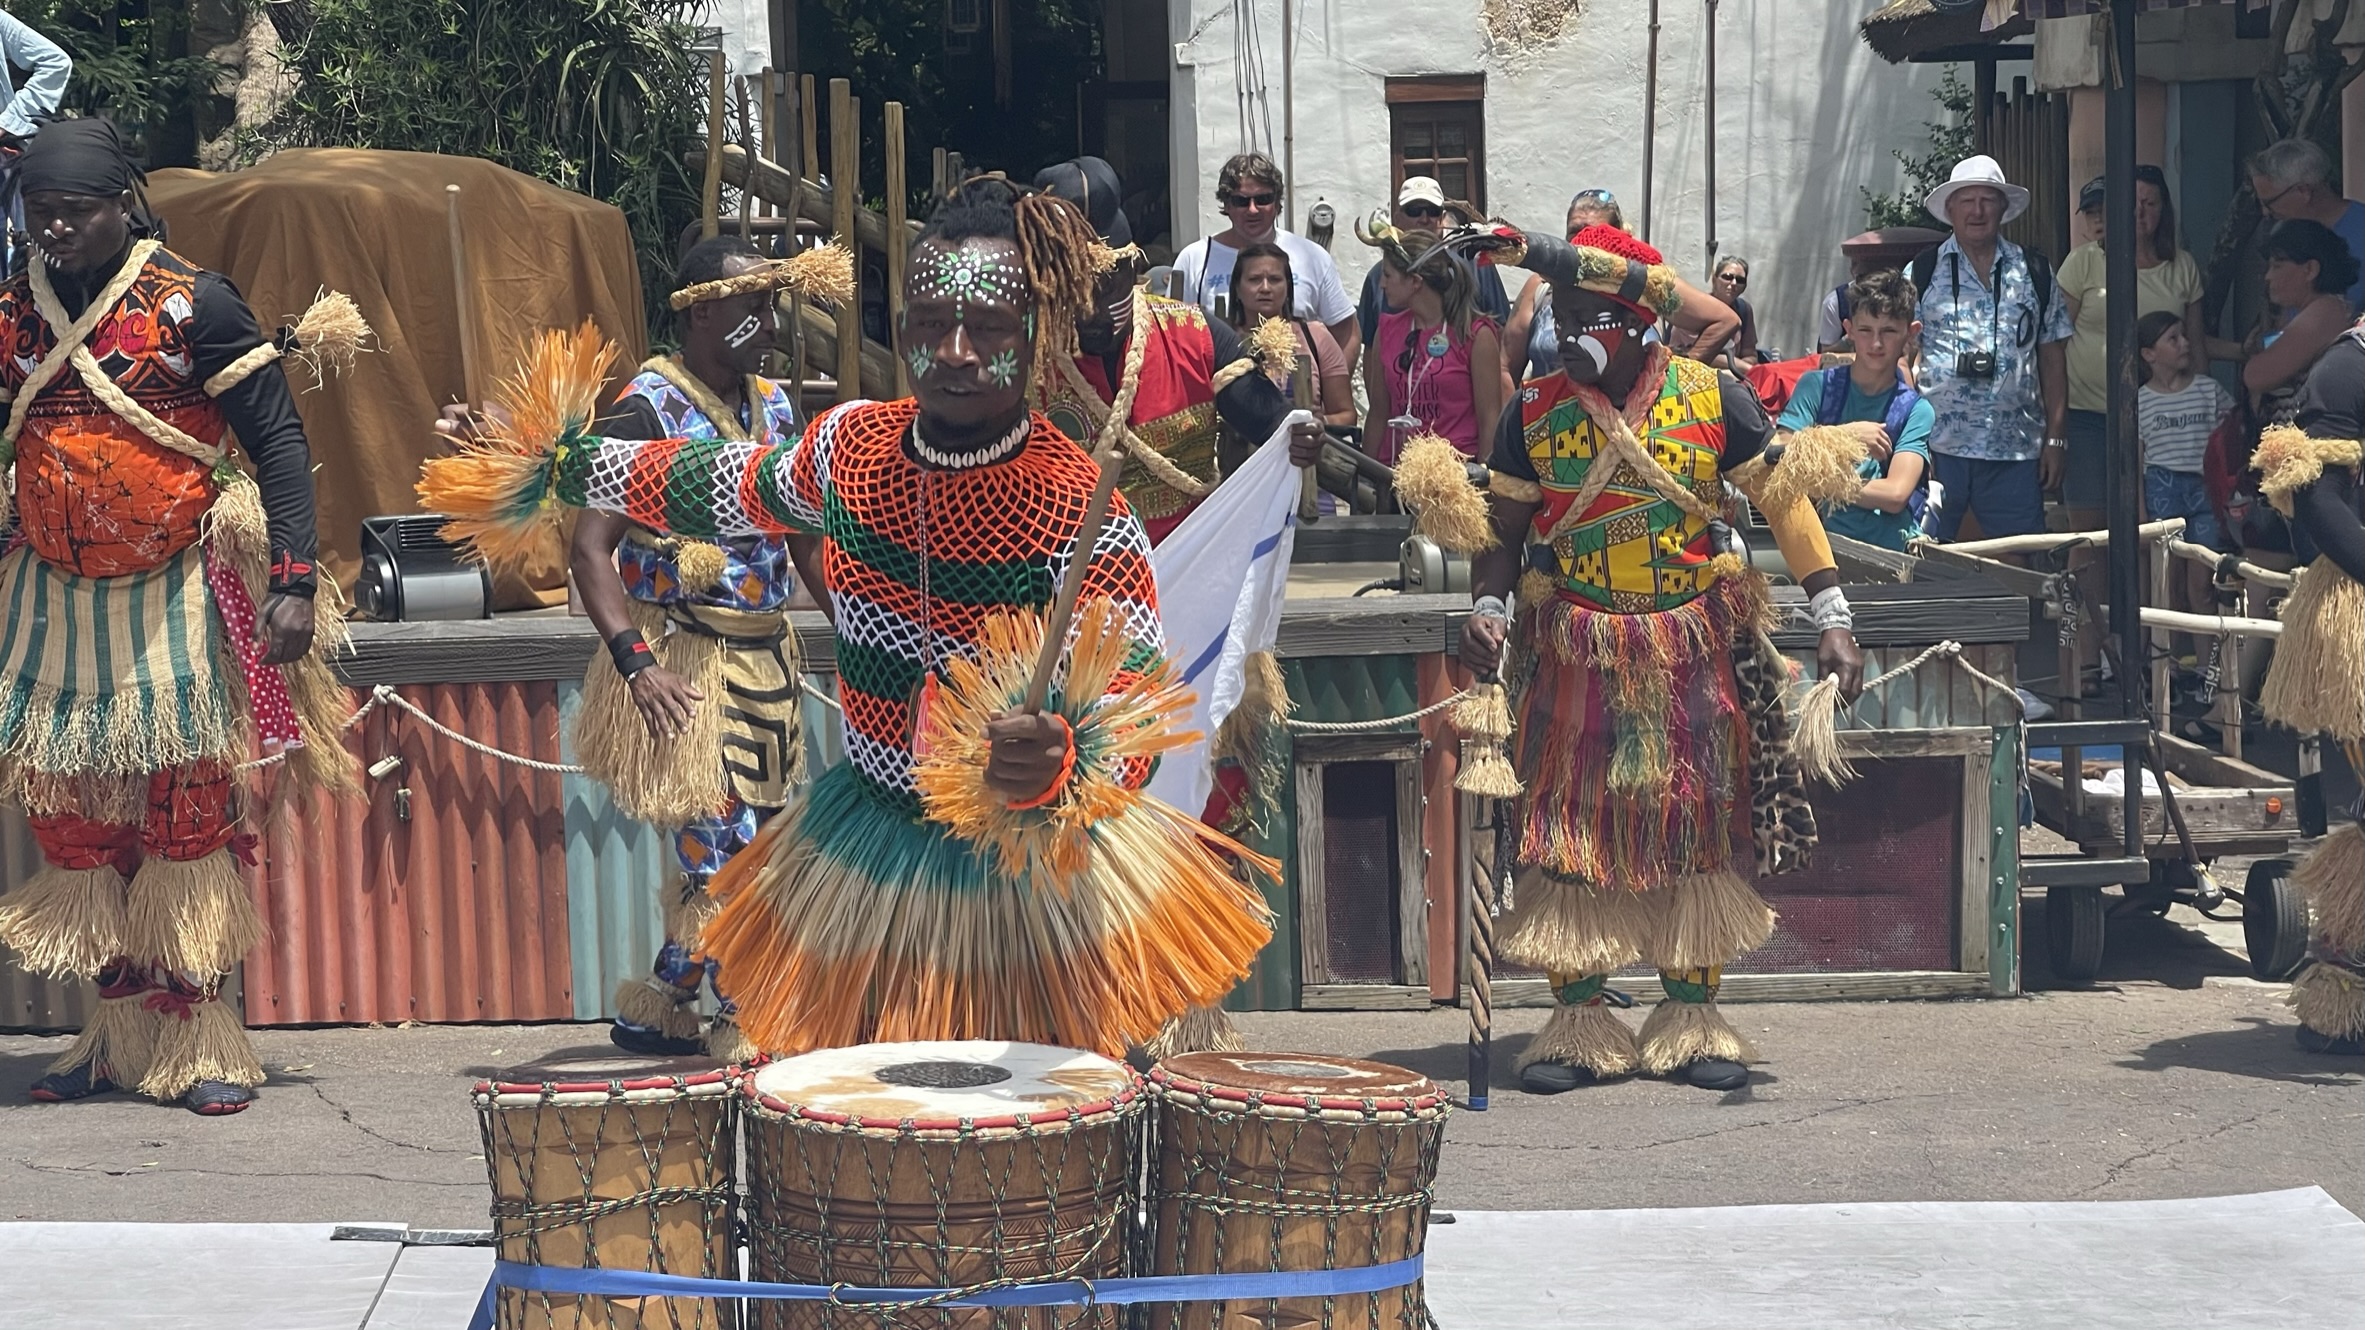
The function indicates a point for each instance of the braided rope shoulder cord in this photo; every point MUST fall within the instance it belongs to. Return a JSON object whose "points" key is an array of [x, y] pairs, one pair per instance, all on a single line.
{"points": [[1115, 421]]}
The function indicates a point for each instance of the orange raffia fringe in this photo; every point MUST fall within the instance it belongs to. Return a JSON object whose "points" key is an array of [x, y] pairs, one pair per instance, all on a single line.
{"points": [[498, 489], [1088, 923]]}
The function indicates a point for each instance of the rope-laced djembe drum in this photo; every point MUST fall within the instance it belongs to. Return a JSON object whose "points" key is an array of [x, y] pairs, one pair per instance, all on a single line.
{"points": [[964, 1165], [1291, 1161], [612, 1164]]}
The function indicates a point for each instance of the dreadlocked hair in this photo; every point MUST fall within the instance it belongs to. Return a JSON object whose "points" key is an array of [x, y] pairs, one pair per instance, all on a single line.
{"points": [[1057, 246]]}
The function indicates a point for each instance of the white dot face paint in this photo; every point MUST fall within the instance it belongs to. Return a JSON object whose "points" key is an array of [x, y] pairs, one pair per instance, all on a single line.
{"points": [[741, 335]]}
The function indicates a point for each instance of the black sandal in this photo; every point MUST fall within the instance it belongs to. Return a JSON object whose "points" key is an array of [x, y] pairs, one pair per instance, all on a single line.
{"points": [[63, 1087], [217, 1099]]}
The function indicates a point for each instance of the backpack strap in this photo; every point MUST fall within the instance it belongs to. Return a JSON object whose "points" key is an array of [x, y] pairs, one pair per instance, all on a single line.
{"points": [[1834, 401]]}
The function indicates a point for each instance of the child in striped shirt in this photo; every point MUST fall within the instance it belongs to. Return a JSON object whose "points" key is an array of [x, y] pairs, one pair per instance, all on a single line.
{"points": [[2176, 409]]}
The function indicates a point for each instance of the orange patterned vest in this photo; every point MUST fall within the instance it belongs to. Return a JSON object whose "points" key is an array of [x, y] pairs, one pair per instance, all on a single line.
{"points": [[95, 496]]}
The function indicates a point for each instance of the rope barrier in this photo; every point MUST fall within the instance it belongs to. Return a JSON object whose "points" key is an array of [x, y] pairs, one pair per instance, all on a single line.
{"points": [[1949, 650], [1384, 722]]}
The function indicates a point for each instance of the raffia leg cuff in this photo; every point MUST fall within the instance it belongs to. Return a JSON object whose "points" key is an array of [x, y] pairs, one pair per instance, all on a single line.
{"points": [[1200, 1030], [119, 1039], [1587, 1035], [66, 921], [2333, 880], [650, 1003], [198, 1038], [192, 915], [1687, 1027], [2330, 1001], [726, 1042]]}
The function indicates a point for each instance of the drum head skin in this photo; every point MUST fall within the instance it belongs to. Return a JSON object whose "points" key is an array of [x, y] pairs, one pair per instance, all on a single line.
{"points": [[1299, 1076], [983, 1081], [588, 1074]]}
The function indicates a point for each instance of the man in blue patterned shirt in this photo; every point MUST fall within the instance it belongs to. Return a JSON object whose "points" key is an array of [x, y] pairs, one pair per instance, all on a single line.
{"points": [[1994, 362]]}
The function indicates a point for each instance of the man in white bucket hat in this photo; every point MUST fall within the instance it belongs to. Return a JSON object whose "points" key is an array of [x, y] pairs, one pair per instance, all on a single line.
{"points": [[1994, 359]]}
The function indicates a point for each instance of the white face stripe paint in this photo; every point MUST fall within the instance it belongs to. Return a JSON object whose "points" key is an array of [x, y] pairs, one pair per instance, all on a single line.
{"points": [[740, 335], [1592, 347]]}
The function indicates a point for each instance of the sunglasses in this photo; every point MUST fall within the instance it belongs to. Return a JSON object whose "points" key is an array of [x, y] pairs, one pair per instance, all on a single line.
{"points": [[1736, 279], [1254, 200], [1595, 196], [1423, 210]]}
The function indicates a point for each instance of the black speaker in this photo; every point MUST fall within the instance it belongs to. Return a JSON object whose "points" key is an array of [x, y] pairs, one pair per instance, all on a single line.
{"points": [[410, 573]]}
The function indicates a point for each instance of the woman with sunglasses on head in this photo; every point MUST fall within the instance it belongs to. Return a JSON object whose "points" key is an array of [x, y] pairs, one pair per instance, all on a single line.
{"points": [[1532, 338], [1436, 366], [1248, 190]]}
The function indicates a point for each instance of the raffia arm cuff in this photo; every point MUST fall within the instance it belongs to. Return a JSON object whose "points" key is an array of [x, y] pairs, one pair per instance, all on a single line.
{"points": [[2288, 460], [1816, 465], [1514, 488]]}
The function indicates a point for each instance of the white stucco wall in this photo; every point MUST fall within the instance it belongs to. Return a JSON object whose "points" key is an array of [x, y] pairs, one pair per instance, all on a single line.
{"points": [[1806, 113]]}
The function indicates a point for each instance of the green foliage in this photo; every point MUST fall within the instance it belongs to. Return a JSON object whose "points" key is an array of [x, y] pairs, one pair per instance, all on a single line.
{"points": [[131, 60], [599, 96], [899, 50], [1952, 138]]}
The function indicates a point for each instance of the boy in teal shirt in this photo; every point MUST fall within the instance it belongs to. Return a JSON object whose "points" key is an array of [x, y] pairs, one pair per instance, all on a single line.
{"points": [[1872, 399]]}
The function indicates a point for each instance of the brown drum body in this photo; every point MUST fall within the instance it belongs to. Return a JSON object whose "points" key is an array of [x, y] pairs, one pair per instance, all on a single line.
{"points": [[939, 1165], [607, 1165], [1291, 1161]]}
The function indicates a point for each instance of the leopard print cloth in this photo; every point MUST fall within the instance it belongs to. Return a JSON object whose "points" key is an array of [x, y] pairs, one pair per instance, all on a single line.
{"points": [[1780, 818]]}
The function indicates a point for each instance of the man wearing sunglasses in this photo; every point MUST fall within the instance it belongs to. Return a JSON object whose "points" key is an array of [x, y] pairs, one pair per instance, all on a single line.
{"points": [[2293, 180], [1421, 206], [1248, 190]]}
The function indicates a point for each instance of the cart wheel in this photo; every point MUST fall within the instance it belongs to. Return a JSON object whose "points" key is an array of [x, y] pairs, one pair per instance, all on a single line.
{"points": [[2073, 932], [2274, 920]]}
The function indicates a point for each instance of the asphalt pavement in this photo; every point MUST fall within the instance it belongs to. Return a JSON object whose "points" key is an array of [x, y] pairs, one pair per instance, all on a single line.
{"points": [[2176, 1076]]}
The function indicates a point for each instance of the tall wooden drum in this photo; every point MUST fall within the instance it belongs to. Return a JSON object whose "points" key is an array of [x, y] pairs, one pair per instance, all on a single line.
{"points": [[1291, 1161], [939, 1165], [613, 1164]]}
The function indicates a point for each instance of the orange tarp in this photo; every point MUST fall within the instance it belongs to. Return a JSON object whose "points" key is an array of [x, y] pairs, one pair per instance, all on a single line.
{"points": [[372, 224]]}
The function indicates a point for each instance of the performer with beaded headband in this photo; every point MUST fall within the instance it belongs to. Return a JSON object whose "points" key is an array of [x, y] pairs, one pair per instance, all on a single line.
{"points": [[984, 865], [166, 622], [2309, 471], [1652, 737], [691, 718]]}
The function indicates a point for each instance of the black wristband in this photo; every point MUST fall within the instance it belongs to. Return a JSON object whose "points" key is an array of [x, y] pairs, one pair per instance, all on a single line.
{"points": [[631, 653]]}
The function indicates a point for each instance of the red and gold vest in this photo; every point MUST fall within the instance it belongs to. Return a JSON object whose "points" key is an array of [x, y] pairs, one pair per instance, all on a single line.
{"points": [[1173, 411], [95, 496], [1632, 551]]}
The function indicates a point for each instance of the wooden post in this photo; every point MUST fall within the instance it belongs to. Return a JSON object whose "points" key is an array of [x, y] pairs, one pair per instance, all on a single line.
{"points": [[898, 242], [711, 196], [2163, 575], [845, 166], [1983, 103], [747, 140], [464, 302], [1001, 20], [771, 133], [809, 162], [942, 185]]}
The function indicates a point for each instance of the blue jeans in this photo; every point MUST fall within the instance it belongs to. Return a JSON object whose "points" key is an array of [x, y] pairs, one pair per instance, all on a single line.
{"points": [[2005, 496], [2182, 494]]}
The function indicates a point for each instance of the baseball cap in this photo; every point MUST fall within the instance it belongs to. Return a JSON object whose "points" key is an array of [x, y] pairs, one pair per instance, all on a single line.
{"points": [[1420, 189], [2091, 197]]}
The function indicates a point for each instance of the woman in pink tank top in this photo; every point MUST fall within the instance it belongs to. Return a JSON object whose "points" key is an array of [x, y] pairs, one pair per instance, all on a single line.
{"points": [[1435, 366]]}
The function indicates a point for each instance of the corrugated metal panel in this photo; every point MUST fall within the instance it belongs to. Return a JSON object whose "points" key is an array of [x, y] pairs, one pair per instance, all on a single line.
{"points": [[30, 1001], [616, 867], [457, 912]]}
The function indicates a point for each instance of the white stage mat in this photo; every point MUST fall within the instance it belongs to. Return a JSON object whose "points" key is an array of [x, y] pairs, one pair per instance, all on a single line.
{"points": [[2289, 1260]]}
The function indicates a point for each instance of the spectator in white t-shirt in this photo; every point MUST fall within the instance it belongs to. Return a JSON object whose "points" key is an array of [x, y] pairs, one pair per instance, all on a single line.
{"points": [[1249, 191]]}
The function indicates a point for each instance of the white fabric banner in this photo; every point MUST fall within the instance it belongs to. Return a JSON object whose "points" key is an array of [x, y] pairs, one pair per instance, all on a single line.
{"points": [[1222, 576]]}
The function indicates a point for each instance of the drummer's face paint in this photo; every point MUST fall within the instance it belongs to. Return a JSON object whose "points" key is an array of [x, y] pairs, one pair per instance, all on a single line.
{"points": [[1600, 339], [966, 334], [743, 328]]}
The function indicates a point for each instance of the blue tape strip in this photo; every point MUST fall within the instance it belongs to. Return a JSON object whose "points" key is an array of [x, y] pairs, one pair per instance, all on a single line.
{"points": [[1068, 1293]]}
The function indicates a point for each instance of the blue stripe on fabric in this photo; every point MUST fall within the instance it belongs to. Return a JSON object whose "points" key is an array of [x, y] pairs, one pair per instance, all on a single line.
{"points": [[1215, 649], [1065, 1293]]}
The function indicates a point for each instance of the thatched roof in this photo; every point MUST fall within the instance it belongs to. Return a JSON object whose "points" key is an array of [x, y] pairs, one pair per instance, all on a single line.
{"points": [[1903, 29]]}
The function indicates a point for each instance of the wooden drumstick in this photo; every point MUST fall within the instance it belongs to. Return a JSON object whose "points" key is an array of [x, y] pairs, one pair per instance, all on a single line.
{"points": [[464, 298], [1071, 584]]}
